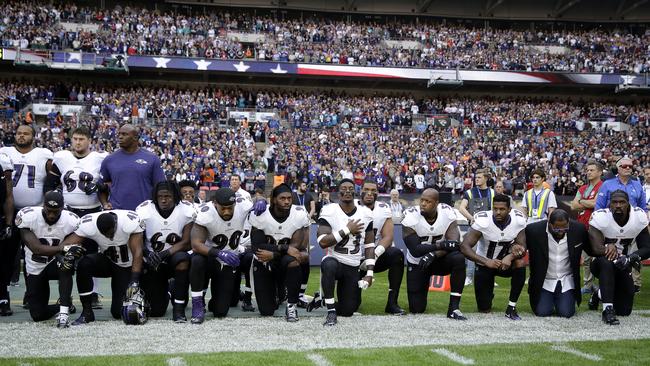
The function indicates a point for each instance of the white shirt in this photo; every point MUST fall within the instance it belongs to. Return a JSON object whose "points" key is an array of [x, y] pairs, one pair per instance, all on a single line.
{"points": [[559, 265]]}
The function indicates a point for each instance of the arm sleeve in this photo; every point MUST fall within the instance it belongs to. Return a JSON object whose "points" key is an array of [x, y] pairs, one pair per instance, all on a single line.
{"points": [[415, 246], [643, 243]]}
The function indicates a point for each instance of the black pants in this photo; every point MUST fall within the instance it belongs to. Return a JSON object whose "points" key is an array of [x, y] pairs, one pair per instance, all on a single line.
{"points": [[484, 285], [221, 285], [245, 261], [345, 278], [270, 279], [616, 286], [38, 291], [8, 250], [98, 265], [417, 279], [155, 283], [392, 261], [88, 244]]}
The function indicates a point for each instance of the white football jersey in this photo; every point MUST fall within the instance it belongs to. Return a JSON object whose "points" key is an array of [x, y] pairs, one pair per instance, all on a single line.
{"points": [[5, 163], [161, 233], [225, 235], [621, 236], [350, 250], [117, 250], [380, 214], [278, 233], [242, 193], [496, 243], [78, 175], [29, 175], [31, 218], [428, 233]]}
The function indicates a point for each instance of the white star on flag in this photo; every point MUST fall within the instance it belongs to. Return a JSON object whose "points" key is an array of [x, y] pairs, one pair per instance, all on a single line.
{"points": [[202, 64], [279, 70], [74, 56], [161, 62], [241, 67]]}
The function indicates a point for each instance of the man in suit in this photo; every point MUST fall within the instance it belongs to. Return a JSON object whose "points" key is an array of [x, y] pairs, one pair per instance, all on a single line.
{"points": [[555, 247]]}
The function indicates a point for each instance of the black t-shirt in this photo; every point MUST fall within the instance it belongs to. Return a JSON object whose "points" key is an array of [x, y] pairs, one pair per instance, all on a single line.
{"points": [[303, 200]]}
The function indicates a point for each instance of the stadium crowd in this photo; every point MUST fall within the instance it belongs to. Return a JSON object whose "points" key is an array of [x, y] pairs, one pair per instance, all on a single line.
{"points": [[321, 39], [366, 136]]}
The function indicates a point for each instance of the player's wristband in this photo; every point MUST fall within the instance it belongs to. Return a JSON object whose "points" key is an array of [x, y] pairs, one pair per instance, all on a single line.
{"points": [[346, 231], [370, 273], [379, 250], [337, 236], [369, 262], [369, 245]]}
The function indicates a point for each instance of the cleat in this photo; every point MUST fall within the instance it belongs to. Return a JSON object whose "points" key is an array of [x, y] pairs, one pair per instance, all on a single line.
{"points": [[330, 320], [468, 281], [198, 310], [291, 313], [586, 290], [247, 306], [62, 321], [96, 302], [394, 309], [25, 303], [84, 318], [315, 303], [511, 313], [71, 309], [593, 301], [456, 315], [178, 313], [5, 308], [609, 316]]}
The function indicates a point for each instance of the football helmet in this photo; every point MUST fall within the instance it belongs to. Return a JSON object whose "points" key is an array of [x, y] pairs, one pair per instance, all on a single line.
{"points": [[135, 309]]}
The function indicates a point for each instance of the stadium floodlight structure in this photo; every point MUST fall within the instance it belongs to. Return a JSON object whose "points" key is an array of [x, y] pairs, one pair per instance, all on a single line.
{"points": [[449, 78]]}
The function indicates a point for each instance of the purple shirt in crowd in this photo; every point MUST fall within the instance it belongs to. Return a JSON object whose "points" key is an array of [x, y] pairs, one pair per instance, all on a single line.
{"points": [[132, 177]]}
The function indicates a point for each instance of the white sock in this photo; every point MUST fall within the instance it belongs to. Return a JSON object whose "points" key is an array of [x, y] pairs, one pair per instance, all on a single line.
{"points": [[606, 304], [63, 309], [513, 304], [197, 293], [95, 285]]}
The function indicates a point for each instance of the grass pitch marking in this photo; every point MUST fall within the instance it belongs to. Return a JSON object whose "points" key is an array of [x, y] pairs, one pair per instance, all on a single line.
{"points": [[575, 352], [176, 361], [453, 356], [318, 360]]}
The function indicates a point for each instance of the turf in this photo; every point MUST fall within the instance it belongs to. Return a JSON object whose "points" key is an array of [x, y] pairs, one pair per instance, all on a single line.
{"points": [[623, 352]]}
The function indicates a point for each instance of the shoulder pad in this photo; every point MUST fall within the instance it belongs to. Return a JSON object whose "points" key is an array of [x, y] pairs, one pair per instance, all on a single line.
{"points": [[25, 217], [519, 218], [132, 222], [47, 153], [5, 162], [411, 217], [72, 215], [382, 205], [87, 227], [481, 220], [642, 216], [599, 219]]}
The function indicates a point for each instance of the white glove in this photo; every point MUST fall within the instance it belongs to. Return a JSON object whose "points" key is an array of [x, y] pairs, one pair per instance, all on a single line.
{"points": [[363, 284]]}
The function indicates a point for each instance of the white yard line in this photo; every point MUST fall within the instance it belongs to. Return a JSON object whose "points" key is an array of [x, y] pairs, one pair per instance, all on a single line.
{"points": [[318, 360], [453, 356], [575, 352], [176, 361], [162, 336]]}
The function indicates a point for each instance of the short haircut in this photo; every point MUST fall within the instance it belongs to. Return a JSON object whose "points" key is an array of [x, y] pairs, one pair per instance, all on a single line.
{"points": [[485, 173], [501, 198], [187, 183], [558, 215], [82, 130], [31, 128], [233, 175], [596, 163], [539, 172]]}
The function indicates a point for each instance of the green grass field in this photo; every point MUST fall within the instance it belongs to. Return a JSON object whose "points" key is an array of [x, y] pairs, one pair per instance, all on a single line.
{"points": [[627, 352]]}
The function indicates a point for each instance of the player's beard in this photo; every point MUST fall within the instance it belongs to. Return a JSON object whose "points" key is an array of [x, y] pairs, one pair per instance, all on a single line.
{"points": [[619, 216], [164, 213], [25, 144]]}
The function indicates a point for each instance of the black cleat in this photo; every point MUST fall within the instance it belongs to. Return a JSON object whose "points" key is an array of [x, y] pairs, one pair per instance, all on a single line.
{"points": [[330, 320], [315, 303], [394, 309], [5, 308], [247, 306], [96, 302], [593, 301], [456, 315], [84, 318], [25, 303], [609, 316], [511, 313], [178, 313]]}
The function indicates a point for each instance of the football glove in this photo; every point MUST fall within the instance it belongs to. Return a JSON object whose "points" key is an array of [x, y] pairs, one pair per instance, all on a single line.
{"points": [[134, 287], [626, 261], [449, 245], [259, 207], [72, 253], [426, 260], [5, 232], [226, 257], [154, 259]]}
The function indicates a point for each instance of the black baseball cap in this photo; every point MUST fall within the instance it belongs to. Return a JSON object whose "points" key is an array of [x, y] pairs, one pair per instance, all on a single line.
{"points": [[53, 199]]}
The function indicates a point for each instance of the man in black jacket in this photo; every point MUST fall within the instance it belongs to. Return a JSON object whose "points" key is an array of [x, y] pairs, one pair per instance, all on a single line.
{"points": [[555, 246]]}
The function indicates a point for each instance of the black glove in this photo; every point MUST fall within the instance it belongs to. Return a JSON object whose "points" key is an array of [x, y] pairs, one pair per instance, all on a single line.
{"points": [[133, 288], [626, 261], [154, 259], [5, 232], [74, 252], [426, 260]]}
